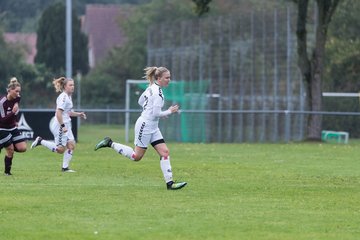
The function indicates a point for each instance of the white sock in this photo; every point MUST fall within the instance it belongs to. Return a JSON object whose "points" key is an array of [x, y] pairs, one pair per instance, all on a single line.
{"points": [[166, 168], [123, 150], [67, 158], [48, 144]]}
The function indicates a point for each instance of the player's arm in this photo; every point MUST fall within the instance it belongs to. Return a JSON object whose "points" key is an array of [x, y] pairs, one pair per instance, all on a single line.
{"points": [[59, 118], [77, 114], [8, 118], [158, 103], [158, 113]]}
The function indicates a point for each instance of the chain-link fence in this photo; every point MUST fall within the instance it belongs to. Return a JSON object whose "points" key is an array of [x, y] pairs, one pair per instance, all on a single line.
{"points": [[243, 67], [236, 80]]}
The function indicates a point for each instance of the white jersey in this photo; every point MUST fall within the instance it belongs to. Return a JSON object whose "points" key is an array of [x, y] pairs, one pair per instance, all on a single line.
{"points": [[152, 100], [64, 102]]}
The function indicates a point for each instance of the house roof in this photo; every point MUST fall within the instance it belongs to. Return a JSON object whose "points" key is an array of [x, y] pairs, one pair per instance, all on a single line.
{"points": [[101, 24], [27, 41]]}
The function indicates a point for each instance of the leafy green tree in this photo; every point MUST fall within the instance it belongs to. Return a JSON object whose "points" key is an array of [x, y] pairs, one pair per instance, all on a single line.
{"points": [[342, 65], [20, 15], [105, 85], [201, 6], [225, 7], [51, 41], [11, 61]]}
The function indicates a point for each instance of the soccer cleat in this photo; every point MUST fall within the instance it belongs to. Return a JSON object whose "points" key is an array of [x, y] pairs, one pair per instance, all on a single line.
{"points": [[175, 186], [106, 142], [67, 170], [36, 142], [7, 174]]}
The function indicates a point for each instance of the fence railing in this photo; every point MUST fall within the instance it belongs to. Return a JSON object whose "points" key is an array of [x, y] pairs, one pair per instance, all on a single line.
{"points": [[208, 125]]}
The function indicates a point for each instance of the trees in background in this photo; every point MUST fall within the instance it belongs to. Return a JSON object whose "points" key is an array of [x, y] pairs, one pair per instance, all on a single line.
{"points": [[201, 6], [11, 60], [51, 41], [341, 64], [23, 16], [342, 50], [130, 60], [20, 15], [31, 77], [36, 79]]}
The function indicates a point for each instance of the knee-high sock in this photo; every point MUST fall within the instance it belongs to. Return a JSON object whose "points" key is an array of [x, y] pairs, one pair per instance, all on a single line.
{"points": [[8, 163], [48, 144], [67, 158], [166, 168], [124, 150]]}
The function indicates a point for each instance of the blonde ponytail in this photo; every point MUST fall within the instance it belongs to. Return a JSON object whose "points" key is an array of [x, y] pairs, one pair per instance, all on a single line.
{"points": [[150, 74], [153, 73], [59, 83]]}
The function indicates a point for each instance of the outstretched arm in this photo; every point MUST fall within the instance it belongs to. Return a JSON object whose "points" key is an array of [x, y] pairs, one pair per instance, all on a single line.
{"points": [[78, 114], [159, 113]]}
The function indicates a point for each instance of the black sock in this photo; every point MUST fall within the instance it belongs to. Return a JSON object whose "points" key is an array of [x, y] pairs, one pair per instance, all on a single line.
{"points": [[8, 163]]}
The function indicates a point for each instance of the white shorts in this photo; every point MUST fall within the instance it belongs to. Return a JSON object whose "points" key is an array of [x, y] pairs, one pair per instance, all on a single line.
{"points": [[146, 132], [60, 137]]}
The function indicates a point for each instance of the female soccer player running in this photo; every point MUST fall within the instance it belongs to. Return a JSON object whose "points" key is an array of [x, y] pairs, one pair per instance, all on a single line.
{"points": [[10, 136], [146, 127], [61, 126]]}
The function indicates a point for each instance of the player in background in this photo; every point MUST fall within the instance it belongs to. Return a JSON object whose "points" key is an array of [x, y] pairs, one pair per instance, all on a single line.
{"points": [[10, 137], [61, 126], [146, 128]]}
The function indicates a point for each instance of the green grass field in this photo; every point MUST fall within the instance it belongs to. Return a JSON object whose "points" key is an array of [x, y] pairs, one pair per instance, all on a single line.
{"points": [[235, 191]]}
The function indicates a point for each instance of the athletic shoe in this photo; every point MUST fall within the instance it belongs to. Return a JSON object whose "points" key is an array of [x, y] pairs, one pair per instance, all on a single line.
{"points": [[175, 186], [106, 142], [67, 170], [36, 142], [7, 173]]}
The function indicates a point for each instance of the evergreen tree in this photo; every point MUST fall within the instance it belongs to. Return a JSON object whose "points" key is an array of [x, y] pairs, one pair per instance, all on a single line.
{"points": [[51, 41]]}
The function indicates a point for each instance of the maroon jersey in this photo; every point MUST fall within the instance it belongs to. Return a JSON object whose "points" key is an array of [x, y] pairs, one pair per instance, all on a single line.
{"points": [[7, 117]]}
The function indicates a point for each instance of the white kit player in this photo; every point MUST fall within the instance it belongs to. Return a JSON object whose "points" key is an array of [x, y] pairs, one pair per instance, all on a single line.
{"points": [[147, 125], [61, 126]]}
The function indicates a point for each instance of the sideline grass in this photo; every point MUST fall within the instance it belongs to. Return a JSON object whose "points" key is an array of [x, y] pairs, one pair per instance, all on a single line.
{"points": [[235, 191]]}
